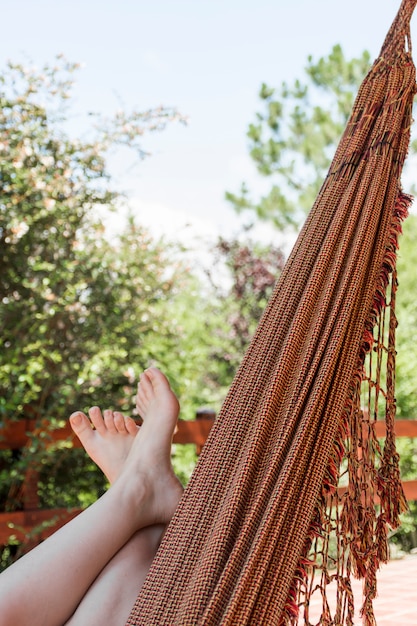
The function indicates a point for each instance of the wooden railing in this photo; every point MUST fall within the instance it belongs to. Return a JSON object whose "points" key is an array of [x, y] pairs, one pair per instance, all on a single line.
{"points": [[33, 524]]}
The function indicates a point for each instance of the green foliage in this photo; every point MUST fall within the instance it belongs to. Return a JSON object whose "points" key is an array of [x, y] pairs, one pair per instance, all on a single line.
{"points": [[405, 537], [293, 138], [81, 313], [406, 381], [61, 280]]}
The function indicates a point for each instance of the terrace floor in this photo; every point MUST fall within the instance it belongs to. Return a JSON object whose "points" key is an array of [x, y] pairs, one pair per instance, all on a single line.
{"points": [[396, 603]]}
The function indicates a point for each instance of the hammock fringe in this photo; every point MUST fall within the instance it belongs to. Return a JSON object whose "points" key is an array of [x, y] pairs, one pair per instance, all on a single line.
{"points": [[359, 527]]}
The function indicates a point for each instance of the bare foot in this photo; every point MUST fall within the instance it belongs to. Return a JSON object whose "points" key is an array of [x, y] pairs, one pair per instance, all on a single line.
{"points": [[107, 438], [156, 401], [149, 459], [137, 459]]}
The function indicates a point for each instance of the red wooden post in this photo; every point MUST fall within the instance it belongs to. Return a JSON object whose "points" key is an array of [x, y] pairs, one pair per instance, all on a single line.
{"points": [[31, 504], [204, 414]]}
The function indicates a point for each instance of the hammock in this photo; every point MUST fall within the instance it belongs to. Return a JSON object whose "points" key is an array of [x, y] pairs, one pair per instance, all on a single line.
{"points": [[265, 524]]}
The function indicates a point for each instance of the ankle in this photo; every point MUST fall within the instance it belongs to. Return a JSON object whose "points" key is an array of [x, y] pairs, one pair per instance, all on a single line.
{"points": [[133, 497]]}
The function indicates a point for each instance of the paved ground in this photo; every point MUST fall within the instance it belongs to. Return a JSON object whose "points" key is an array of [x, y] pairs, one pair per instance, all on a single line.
{"points": [[396, 604]]}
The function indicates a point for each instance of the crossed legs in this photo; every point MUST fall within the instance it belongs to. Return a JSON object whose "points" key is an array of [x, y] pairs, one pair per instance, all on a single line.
{"points": [[90, 571]]}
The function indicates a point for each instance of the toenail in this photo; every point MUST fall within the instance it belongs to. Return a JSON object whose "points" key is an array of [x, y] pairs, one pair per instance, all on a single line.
{"points": [[76, 418]]}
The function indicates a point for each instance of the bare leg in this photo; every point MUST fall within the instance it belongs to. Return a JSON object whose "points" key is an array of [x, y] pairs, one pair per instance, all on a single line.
{"points": [[114, 591], [45, 586], [112, 595]]}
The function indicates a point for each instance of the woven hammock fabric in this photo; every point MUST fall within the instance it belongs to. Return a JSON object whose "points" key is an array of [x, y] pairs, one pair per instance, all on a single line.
{"points": [[250, 542]]}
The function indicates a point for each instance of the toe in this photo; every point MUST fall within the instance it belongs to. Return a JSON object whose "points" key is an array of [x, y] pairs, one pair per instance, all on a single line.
{"points": [[157, 379], [119, 422], [141, 406], [145, 387], [109, 421], [97, 419], [131, 426], [144, 394], [81, 426]]}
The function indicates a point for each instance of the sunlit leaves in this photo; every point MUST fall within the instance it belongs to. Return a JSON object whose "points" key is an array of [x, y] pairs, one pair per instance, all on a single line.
{"points": [[295, 134], [81, 313]]}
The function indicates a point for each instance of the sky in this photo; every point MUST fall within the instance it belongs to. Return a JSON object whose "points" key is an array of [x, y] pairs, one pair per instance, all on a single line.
{"points": [[208, 59]]}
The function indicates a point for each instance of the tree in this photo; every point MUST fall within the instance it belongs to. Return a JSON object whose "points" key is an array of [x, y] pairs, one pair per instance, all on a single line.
{"points": [[60, 278], [242, 295], [293, 138], [407, 328], [406, 376], [81, 313]]}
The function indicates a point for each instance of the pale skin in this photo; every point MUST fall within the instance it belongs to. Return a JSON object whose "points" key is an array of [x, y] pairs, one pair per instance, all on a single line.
{"points": [[90, 571]]}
